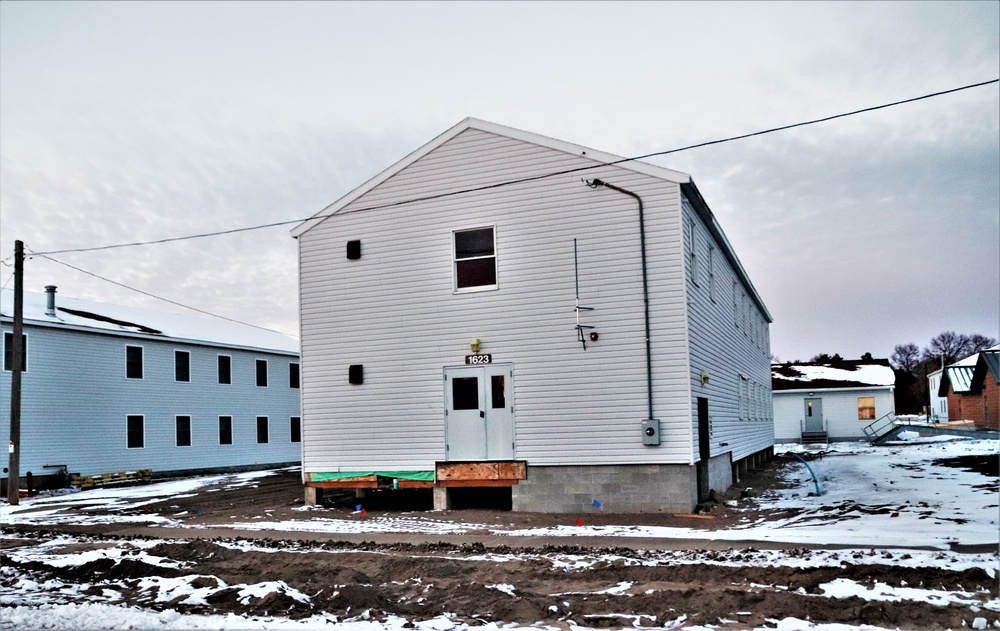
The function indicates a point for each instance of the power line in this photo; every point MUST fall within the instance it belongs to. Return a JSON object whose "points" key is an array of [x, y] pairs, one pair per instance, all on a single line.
{"points": [[535, 177], [146, 293]]}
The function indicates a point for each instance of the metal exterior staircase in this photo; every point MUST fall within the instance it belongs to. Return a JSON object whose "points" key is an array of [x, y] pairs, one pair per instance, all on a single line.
{"points": [[880, 429], [888, 427]]}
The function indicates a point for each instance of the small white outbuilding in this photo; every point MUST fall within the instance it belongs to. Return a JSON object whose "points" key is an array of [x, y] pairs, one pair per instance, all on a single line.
{"points": [[830, 401]]}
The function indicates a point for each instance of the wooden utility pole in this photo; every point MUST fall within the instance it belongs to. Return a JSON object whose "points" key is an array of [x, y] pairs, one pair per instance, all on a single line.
{"points": [[16, 361]]}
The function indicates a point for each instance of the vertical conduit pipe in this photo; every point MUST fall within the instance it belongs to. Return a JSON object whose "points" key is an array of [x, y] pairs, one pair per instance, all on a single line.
{"points": [[645, 285]]}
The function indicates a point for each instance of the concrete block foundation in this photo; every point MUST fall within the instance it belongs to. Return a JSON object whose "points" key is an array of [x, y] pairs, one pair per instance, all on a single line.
{"points": [[618, 488]]}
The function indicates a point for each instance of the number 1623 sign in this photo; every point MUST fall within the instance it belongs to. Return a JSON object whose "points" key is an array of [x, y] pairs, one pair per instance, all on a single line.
{"points": [[478, 359]]}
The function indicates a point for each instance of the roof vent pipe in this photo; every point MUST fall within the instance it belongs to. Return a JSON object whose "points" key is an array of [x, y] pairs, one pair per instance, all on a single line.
{"points": [[50, 300]]}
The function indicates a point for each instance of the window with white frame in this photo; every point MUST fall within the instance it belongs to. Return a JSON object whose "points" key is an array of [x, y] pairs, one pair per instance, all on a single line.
{"points": [[475, 258], [711, 272], [182, 425], [262, 373], [225, 430], [8, 352], [692, 252], [741, 393], [133, 362], [225, 369], [135, 431], [182, 366], [736, 305], [262, 437]]}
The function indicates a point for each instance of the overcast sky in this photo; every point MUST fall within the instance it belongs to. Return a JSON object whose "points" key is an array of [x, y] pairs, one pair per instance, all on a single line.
{"points": [[136, 121]]}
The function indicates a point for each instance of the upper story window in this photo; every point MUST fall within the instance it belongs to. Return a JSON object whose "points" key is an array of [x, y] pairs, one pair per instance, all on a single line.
{"points": [[8, 352], [293, 375], [262, 373], [225, 369], [711, 272], [133, 362], [475, 259], [182, 366], [692, 252]]}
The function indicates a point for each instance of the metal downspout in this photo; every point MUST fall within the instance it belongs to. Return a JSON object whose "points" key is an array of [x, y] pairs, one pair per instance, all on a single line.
{"points": [[645, 285]]}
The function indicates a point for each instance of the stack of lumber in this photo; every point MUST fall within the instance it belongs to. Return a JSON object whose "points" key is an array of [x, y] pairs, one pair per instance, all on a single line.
{"points": [[117, 478]]}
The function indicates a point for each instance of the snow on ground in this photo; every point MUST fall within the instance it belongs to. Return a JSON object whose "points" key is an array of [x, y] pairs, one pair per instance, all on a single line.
{"points": [[897, 496], [884, 496]]}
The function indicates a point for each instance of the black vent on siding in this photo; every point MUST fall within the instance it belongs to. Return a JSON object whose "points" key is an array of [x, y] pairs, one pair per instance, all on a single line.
{"points": [[353, 250], [356, 374]]}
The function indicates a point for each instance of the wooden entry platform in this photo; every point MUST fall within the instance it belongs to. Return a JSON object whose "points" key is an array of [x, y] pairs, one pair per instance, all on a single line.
{"points": [[499, 473], [446, 475]]}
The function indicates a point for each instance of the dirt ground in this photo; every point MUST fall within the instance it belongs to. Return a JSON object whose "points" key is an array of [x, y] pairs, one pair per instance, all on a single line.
{"points": [[422, 577]]}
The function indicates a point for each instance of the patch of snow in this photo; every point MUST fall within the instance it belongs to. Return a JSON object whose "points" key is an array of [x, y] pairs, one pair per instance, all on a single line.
{"points": [[503, 587]]}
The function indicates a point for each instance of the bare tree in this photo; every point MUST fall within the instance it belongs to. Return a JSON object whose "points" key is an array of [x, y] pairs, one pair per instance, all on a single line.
{"points": [[905, 357], [949, 347], [980, 342]]}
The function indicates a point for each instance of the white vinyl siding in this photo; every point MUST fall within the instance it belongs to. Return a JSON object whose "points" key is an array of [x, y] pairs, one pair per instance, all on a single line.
{"points": [[80, 417], [571, 406], [739, 392], [840, 411]]}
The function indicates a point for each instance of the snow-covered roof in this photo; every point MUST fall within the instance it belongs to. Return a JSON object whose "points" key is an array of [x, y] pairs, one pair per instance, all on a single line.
{"points": [[131, 321], [960, 378], [968, 361], [875, 373]]}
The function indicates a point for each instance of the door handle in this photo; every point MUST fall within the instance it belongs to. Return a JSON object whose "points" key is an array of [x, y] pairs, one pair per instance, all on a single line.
{"points": [[482, 414]]}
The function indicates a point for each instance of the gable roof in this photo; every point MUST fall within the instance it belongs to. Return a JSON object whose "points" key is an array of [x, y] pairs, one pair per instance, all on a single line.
{"points": [[98, 317], [959, 376], [848, 373], [988, 363], [598, 158]]}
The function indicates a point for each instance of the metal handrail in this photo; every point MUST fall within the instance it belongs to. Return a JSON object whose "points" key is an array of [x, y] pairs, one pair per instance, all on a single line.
{"points": [[880, 427]]}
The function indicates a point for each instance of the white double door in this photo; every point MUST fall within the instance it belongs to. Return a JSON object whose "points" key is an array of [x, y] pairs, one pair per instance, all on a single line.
{"points": [[479, 412]]}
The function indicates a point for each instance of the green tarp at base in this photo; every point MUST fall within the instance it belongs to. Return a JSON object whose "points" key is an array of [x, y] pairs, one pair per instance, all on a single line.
{"points": [[327, 476]]}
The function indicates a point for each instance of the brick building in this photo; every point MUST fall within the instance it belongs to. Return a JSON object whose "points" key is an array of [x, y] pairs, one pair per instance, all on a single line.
{"points": [[972, 386]]}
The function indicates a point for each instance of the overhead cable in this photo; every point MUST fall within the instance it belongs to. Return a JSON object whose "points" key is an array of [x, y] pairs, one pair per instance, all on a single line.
{"points": [[531, 178], [146, 293]]}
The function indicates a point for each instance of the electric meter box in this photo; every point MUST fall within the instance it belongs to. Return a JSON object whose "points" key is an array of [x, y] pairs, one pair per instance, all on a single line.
{"points": [[651, 432]]}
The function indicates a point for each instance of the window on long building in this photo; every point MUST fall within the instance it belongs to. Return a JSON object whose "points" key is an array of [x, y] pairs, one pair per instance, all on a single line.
{"points": [[692, 252], [225, 369], [225, 430], [741, 395], [711, 272], [182, 366], [295, 427], [262, 373], [8, 352], [135, 432], [262, 429], [133, 362], [183, 431]]}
